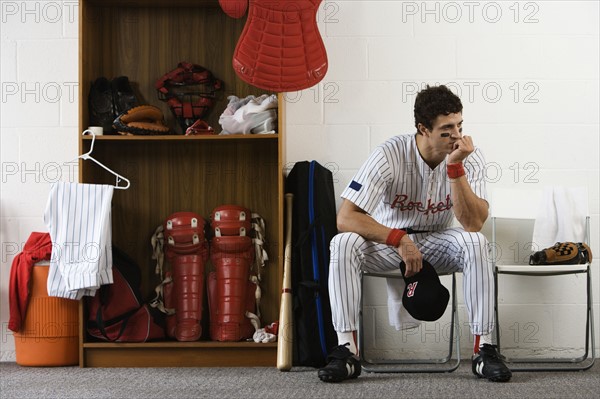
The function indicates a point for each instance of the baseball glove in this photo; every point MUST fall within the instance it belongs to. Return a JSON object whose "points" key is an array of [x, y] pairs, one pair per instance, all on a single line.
{"points": [[562, 253], [142, 120]]}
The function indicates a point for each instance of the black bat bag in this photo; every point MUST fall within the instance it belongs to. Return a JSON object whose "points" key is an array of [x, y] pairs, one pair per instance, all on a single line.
{"points": [[313, 227]]}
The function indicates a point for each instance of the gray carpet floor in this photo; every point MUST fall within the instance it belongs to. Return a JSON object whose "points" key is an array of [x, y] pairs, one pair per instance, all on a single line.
{"points": [[165, 383]]}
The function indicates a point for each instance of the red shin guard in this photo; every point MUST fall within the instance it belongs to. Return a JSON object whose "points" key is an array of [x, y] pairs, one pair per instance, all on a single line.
{"points": [[232, 254], [231, 257], [188, 280], [187, 252]]}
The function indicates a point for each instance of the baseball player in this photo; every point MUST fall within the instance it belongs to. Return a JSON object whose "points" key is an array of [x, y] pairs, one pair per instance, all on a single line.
{"points": [[400, 207]]}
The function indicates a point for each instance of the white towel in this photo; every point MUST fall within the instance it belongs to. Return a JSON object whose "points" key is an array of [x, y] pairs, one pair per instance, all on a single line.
{"points": [[78, 220], [399, 317], [561, 216]]}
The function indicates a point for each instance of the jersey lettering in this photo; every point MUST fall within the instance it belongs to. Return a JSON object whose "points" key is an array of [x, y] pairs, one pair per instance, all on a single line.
{"points": [[400, 202]]}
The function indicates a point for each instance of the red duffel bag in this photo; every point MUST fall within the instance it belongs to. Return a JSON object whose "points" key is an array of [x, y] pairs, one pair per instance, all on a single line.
{"points": [[117, 312]]}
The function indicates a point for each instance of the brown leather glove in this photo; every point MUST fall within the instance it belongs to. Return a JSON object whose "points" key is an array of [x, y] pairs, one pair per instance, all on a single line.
{"points": [[141, 120], [567, 253]]}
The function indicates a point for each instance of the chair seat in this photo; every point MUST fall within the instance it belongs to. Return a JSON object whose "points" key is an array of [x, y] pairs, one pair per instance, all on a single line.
{"points": [[395, 274], [542, 269]]}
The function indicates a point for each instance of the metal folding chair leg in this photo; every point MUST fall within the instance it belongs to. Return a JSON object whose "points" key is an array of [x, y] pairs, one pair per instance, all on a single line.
{"points": [[409, 365]]}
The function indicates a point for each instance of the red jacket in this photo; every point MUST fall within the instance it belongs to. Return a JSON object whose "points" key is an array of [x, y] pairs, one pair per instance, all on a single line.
{"points": [[38, 247]]}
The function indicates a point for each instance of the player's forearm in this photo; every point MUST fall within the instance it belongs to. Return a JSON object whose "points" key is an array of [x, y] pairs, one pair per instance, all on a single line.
{"points": [[362, 224], [470, 210]]}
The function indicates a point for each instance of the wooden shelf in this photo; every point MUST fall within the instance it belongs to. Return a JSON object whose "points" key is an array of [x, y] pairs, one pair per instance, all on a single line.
{"points": [[180, 354], [155, 3], [177, 137], [176, 344]]}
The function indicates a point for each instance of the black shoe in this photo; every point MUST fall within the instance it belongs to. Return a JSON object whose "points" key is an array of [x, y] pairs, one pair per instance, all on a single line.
{"points": [[341, 365], [100, 104], [488, 363], [123, 96]]}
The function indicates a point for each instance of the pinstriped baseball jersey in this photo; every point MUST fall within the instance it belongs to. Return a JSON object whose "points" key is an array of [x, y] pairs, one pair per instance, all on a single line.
{"points": [[399, 190], [78, 220]]}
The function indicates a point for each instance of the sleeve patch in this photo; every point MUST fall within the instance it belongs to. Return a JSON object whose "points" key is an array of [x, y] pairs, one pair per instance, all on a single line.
{"points": [[356, 186]]}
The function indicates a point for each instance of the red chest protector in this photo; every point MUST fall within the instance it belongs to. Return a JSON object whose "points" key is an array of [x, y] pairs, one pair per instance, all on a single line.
{"points": [[280, 48]]}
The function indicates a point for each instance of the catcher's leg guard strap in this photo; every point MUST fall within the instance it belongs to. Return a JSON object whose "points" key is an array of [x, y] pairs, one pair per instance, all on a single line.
{"points": [[184, 234], [169, 298], [231, 220]]}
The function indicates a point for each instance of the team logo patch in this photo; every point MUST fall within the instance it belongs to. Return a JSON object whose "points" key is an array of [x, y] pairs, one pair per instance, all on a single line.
{"points": [[356, 186]]}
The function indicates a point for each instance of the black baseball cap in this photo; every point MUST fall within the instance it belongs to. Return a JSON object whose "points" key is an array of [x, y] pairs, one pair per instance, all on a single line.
{"points": [[425, 298]]}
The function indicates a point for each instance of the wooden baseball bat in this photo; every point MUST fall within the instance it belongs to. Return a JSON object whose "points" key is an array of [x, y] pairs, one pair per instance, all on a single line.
{"points": [[286, 323]]}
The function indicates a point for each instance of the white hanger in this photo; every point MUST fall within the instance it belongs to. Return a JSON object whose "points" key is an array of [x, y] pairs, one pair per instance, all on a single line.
{"points": [[87, 156]]}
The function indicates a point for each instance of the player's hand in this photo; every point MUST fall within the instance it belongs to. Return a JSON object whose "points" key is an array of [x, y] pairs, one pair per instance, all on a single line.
{"points": [[411, 256], [462, 148]]}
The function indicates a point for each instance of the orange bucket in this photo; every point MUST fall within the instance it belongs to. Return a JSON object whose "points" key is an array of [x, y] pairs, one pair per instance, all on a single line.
{"points": [[49, 335]]}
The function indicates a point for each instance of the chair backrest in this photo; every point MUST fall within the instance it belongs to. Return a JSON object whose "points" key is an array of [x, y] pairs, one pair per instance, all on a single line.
{"points": [[557, 211], [515, 203]]}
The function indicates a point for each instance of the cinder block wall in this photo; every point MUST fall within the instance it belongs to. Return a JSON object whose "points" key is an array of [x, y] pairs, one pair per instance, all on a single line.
{"points": [[527, 73]]}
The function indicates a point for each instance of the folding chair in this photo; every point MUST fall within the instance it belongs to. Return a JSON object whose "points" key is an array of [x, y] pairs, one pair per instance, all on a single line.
{"points": [[508, 205], [442, 365]]}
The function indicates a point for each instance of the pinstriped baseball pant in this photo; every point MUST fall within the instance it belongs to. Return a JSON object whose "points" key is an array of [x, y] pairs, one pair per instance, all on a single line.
{"points": [[79, 222], [451, 250]]}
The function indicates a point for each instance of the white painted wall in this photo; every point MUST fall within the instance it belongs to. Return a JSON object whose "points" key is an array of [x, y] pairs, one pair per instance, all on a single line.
{"points": [[527, 72]]}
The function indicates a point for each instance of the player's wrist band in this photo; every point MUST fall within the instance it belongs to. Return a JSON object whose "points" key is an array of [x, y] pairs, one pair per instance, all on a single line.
{"points": [[455, 170], [395, 237]]}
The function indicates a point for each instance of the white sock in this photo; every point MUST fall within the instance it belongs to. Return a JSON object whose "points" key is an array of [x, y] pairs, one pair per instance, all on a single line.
{"points": [[485, 339], [480, 340], [347, 337]]}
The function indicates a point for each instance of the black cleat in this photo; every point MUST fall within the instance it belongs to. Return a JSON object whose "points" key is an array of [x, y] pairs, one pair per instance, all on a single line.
{"points": [[123, 96], [100, 105], [341, 365], [488, 363]]}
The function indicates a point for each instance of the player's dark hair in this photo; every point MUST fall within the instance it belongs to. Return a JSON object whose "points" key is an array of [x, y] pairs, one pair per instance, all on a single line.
{"points": [[434, 101]]}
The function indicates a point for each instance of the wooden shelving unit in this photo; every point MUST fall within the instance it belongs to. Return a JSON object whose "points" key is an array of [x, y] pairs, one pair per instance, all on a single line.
{"points": [[143, 40]]}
